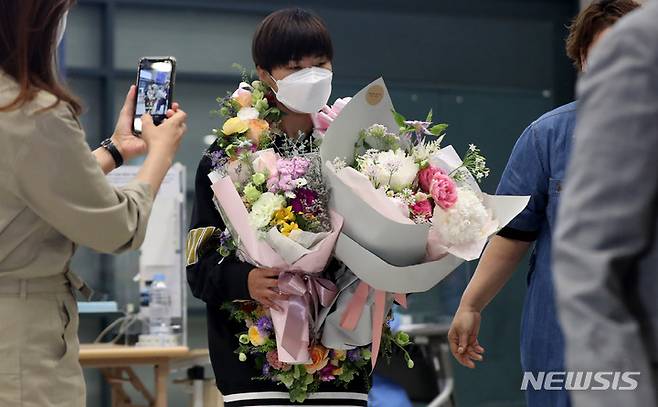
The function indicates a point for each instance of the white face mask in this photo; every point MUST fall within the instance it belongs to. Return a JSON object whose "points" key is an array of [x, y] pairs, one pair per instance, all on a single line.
{"points": [[305, 91], [61, 28]]}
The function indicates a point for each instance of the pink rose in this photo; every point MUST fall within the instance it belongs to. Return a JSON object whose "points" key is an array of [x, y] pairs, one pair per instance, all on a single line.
{"points": [[265, 162], [422, 208], [426, 175], [443, 190], [323, 119]]}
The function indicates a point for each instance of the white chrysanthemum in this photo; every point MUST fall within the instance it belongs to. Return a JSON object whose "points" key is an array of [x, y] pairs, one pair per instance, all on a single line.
{"points": [[396, 170], [423, 151], [465, 222], [263, 209]]}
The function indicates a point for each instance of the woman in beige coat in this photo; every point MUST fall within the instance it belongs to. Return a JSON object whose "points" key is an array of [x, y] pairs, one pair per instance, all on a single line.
{"points": [[54, 196]]}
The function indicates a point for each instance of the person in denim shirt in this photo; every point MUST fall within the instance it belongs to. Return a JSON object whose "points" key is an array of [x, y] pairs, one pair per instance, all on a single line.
{"points": [[536, 167]]}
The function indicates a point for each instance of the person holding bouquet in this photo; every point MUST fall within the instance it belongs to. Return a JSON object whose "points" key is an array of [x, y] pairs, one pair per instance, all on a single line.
{"points": [[292, 52], [536, 168]]}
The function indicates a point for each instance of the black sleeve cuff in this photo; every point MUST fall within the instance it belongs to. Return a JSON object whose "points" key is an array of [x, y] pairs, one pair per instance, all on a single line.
{"points": [[234, 279], [516, 234]]}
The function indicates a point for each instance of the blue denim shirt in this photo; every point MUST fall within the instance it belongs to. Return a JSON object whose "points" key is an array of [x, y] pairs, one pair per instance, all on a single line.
{"points": [[537, 168]]}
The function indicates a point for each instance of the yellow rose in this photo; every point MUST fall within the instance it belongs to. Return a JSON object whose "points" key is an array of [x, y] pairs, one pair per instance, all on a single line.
{"points": [[319, 359], [255, 336], [256, 129], [233, 126]]}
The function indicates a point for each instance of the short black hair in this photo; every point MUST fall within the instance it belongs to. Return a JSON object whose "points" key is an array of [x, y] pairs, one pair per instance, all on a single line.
{"points": [[290, 35]]}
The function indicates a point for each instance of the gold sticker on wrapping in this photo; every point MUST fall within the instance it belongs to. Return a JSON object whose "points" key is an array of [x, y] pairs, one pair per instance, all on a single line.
{"points": [[375, 95]]}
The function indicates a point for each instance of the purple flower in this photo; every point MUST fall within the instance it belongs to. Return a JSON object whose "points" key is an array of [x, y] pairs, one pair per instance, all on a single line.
{"points": [[264, 325], [327, 374], [224, 237], [354, 355], [304, 198], [289, 171], [216, 158], [266, 369]]}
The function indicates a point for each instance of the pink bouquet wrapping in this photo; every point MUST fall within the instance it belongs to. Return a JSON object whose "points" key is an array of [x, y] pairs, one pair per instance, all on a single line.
{"points": [[280, 243], [301, 279]]}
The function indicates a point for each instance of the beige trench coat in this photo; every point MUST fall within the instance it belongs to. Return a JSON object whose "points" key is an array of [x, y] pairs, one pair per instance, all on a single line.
{"points": [[53, 196]]}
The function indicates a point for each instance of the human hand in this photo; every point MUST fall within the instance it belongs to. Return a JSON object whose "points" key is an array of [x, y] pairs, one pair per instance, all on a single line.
{"points": [[262, 284], [463, 337], [129, 145], [164, 140]]}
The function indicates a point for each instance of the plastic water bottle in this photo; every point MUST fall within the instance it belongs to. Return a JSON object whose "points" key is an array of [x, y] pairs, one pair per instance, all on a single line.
{"points": [[159, 308]]}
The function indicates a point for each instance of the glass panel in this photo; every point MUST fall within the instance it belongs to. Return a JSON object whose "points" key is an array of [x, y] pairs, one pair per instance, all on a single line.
{"points": [[83, 37], [202, 41]]}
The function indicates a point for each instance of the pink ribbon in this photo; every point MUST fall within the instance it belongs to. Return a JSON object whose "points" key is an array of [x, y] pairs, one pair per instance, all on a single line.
{"points": [[308, 294], [355, 308]]}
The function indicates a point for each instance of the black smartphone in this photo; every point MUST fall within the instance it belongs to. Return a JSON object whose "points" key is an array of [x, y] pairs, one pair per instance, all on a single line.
{"points": [[155, 89]]}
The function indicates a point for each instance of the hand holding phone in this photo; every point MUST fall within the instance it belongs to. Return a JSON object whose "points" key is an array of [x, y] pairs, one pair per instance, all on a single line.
{"points": [[155, 89]]}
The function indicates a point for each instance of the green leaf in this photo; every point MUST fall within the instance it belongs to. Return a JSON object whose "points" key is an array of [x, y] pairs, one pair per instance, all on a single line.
{"points": [[347, 376], [429, 116], [399, 119], [438, 129], [286, 380], [308, 379]]}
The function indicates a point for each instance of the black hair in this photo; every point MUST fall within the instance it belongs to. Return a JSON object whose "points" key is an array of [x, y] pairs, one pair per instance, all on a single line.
{"points": [[290, 35]]}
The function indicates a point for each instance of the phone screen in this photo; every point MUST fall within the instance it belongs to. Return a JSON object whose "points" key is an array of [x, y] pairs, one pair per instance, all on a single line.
{"points": [[153, 90]]}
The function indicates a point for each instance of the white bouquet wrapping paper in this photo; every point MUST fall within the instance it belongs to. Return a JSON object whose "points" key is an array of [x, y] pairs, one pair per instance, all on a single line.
{"points": [[390, 254]]}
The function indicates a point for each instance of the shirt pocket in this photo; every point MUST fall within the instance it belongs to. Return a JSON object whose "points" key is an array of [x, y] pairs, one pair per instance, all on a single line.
{"points": [[554, 191]]}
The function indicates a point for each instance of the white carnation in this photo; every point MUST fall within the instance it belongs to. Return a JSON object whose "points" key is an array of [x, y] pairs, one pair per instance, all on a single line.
{"points": [[263, 209], [467, 221]]}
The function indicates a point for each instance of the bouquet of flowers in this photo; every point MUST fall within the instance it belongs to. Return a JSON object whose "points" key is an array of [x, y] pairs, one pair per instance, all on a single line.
{"points": [[410, 183], [273, 199], [325, 365], [274, 202], [391, 177]]}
